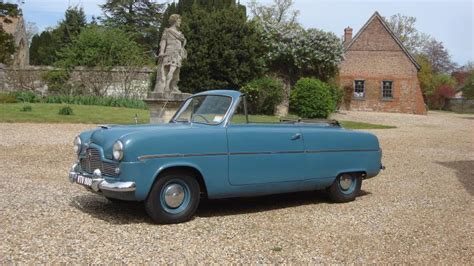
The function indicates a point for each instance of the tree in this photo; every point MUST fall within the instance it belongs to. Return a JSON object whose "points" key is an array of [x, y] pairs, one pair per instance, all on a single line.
{"points": [[7, 9], [280, 12], [7, 46], [223, 47], [7, 42], [293, 52], [98, 46], [420, 43], [70, 27], [141, 18], [440, 96], [469, 66], [44, 47], [31, 30], [404, 28], [438, 56], [425, 75], [442, 88], [97, 50], [468, 88]]}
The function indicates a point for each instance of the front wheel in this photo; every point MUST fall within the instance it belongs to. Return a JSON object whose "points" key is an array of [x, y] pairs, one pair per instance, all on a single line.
{"points": [[346, 187], [174, 198]]}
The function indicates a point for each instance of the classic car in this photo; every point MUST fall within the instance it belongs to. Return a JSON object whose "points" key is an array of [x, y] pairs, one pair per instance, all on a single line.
{"points": [[211, 149]]}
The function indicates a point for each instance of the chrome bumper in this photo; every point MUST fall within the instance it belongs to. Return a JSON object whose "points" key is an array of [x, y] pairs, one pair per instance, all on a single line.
{"points": [[99, 184]]}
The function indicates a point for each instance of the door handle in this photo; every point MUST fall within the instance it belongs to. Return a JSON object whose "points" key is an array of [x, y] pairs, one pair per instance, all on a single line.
{"points": [[296, 136]]}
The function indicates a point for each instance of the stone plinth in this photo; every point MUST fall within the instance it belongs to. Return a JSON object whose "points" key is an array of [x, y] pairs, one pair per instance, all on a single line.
{"points": [[164, 105]]}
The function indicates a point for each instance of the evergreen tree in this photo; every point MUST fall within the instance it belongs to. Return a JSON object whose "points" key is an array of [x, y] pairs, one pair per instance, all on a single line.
{"points": [[45, 46], [141, 18], [74, 21], [223, 47]]}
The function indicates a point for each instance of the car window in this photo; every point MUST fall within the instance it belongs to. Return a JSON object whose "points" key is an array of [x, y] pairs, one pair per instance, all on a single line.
{"points": [[239, 114], [206, 109]]}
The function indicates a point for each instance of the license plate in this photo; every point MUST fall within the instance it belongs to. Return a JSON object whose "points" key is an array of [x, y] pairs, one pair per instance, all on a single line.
{"points": [[86, 181]]}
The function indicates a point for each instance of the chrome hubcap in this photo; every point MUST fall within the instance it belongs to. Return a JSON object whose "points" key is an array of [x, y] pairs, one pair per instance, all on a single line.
{"points": [[345, 182], [174, 195]]}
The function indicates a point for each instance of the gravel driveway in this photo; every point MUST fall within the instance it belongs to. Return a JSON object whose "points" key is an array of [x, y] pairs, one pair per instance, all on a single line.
{"points": [[420, 210]]}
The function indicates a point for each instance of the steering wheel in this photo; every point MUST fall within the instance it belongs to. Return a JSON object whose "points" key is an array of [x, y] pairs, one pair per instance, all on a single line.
{"points": [[203, 117]]}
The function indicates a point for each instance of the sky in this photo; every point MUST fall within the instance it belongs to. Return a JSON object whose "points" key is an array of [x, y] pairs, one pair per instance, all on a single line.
{"points": [[450, 22]]}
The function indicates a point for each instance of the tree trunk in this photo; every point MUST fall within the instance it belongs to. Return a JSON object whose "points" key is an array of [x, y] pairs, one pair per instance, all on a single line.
{"points": [[282, 109]]}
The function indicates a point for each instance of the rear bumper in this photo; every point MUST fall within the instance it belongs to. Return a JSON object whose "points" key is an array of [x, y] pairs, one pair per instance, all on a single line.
{"points": [[374, 173], [97, 183]]}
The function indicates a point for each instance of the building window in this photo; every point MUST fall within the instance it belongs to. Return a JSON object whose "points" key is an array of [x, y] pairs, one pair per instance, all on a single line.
{"points": [[359, 88], [387, 89]]}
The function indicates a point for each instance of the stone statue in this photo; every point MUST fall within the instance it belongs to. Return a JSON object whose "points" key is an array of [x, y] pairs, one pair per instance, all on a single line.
{"points": [[172, 54]]}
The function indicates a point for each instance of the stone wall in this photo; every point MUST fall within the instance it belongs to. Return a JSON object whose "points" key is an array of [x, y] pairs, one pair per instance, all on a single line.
{"points": [[119, 81], [374, 57]]}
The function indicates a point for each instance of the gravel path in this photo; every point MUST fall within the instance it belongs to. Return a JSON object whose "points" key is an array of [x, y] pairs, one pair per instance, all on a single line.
{"points": [[420, 210]]}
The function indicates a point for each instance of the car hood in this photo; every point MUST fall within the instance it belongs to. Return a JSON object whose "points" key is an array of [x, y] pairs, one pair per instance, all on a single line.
{"points": [[106, 136]]}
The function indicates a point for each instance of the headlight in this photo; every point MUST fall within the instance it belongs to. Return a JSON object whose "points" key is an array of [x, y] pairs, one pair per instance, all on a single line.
{"points": [[77, 144], [118, 150]]}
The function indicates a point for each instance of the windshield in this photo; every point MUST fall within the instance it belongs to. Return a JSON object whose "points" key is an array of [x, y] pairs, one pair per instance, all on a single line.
{"points": [[206, 109]]}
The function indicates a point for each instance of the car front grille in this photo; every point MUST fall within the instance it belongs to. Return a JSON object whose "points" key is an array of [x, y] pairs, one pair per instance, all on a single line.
{"points": [[93, 161]]}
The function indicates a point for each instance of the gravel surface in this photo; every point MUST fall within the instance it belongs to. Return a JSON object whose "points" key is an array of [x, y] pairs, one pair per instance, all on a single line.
{"points": [[420, 210]]}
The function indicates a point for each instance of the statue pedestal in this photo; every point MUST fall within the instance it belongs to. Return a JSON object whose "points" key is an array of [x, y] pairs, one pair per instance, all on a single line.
{"points": [[164, 105]]}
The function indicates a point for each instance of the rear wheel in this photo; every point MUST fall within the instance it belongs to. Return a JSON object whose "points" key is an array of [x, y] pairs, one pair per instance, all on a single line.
{"points": [[174, 198], [346, 187]]}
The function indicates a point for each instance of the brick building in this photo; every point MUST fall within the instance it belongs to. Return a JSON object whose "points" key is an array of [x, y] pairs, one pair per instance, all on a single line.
{"points": [[378, 73]]}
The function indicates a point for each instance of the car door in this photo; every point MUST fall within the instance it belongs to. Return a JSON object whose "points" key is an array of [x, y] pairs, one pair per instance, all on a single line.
{"points": [[265, 153]]}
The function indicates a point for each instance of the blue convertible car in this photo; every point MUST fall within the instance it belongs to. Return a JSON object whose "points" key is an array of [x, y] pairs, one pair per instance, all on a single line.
{"points": [[210, 149]]}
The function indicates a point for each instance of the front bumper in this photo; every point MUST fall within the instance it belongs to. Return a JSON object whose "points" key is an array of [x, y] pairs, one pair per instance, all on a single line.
{"points": [[97, 183]]}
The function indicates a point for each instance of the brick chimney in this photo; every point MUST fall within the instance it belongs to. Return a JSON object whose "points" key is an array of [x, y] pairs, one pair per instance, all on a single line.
{"points": [[347, 36]]}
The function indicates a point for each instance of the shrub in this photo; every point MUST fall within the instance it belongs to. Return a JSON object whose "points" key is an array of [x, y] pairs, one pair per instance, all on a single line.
{"points": [[66, 110], [152, 81], [30, 97], [312, 98], [26, 96], [7, 98], [57, 81], [468, 88], [438, 99], [26, 108], [337, 94], [263, 95]]}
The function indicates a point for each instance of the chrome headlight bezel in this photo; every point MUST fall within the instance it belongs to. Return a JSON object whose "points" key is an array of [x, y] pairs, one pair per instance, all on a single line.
{"points": [[77, 144], [117, 150]]}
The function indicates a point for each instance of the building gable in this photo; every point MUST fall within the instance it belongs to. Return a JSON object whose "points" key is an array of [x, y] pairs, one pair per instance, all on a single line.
{"points": [[375, 35]]}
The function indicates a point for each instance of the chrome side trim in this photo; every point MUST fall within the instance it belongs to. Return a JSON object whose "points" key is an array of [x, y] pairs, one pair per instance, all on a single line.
{"points": [[355, 150], [265, 152], [177, 155]]}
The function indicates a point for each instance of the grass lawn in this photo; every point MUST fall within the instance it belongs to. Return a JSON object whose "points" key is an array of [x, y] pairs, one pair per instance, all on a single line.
{"points": [[85, 114], [91, 114]]}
